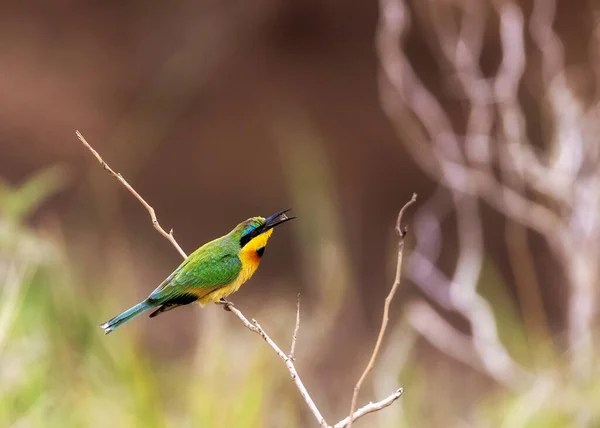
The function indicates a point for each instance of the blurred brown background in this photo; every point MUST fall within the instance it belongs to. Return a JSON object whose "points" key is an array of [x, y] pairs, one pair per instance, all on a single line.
{"points": [[189, 100], [218, 111]]}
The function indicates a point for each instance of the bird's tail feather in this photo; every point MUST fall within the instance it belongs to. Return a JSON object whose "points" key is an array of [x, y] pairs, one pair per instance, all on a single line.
{"points": [[128, 315]]}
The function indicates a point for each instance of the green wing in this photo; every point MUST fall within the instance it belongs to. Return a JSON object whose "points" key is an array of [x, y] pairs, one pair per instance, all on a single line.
{"points": [[199, 275]]}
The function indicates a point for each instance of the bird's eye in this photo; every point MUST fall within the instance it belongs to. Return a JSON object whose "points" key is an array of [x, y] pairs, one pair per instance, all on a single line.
{"points": [[253, 233]]}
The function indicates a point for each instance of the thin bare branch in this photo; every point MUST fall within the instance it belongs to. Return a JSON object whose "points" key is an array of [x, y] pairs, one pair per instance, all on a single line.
{"points": [[296, 328], [124, 182], [370, 408], [386, 308], [255, 327]]}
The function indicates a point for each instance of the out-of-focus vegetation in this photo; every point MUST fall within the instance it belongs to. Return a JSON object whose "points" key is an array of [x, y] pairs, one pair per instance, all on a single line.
{"points": [[58, 369]]}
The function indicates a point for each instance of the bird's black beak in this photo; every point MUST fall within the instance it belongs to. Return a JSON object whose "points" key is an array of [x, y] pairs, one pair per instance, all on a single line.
{"points": [[276, 220]]}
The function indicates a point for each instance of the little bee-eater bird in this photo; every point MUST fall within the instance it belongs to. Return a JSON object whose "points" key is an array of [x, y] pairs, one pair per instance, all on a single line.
{"points": [[210, 273]]}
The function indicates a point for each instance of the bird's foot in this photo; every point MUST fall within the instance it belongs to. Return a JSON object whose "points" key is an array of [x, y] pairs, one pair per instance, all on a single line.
{"points": [[227, 305]]}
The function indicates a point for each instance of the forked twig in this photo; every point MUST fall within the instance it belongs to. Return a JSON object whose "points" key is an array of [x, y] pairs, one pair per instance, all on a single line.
{"points": [[369, 408]]}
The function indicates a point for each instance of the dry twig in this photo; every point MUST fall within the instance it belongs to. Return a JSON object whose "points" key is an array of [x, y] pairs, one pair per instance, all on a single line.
{"points": [[296, 328], [386, 309], [124, 182], [254, 326], [369, 408]]}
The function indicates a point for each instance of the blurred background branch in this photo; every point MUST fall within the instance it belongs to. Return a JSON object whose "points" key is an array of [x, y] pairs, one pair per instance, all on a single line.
{"points": [[543, 189]]}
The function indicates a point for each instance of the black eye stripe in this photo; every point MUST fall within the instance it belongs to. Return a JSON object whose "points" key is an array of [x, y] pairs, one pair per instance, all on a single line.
{"points": [[245, 239], [248, 236]]}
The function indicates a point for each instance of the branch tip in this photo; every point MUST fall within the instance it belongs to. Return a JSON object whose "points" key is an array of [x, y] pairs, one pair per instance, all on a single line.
{"points": [[386, 308]]}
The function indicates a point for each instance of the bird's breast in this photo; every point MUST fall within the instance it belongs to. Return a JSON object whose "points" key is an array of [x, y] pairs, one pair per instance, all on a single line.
{"points": [[249, 265], [250, 256]]}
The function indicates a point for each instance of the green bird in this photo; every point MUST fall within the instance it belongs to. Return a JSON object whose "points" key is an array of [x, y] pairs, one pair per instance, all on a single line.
{"points": [[210, 273]]}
